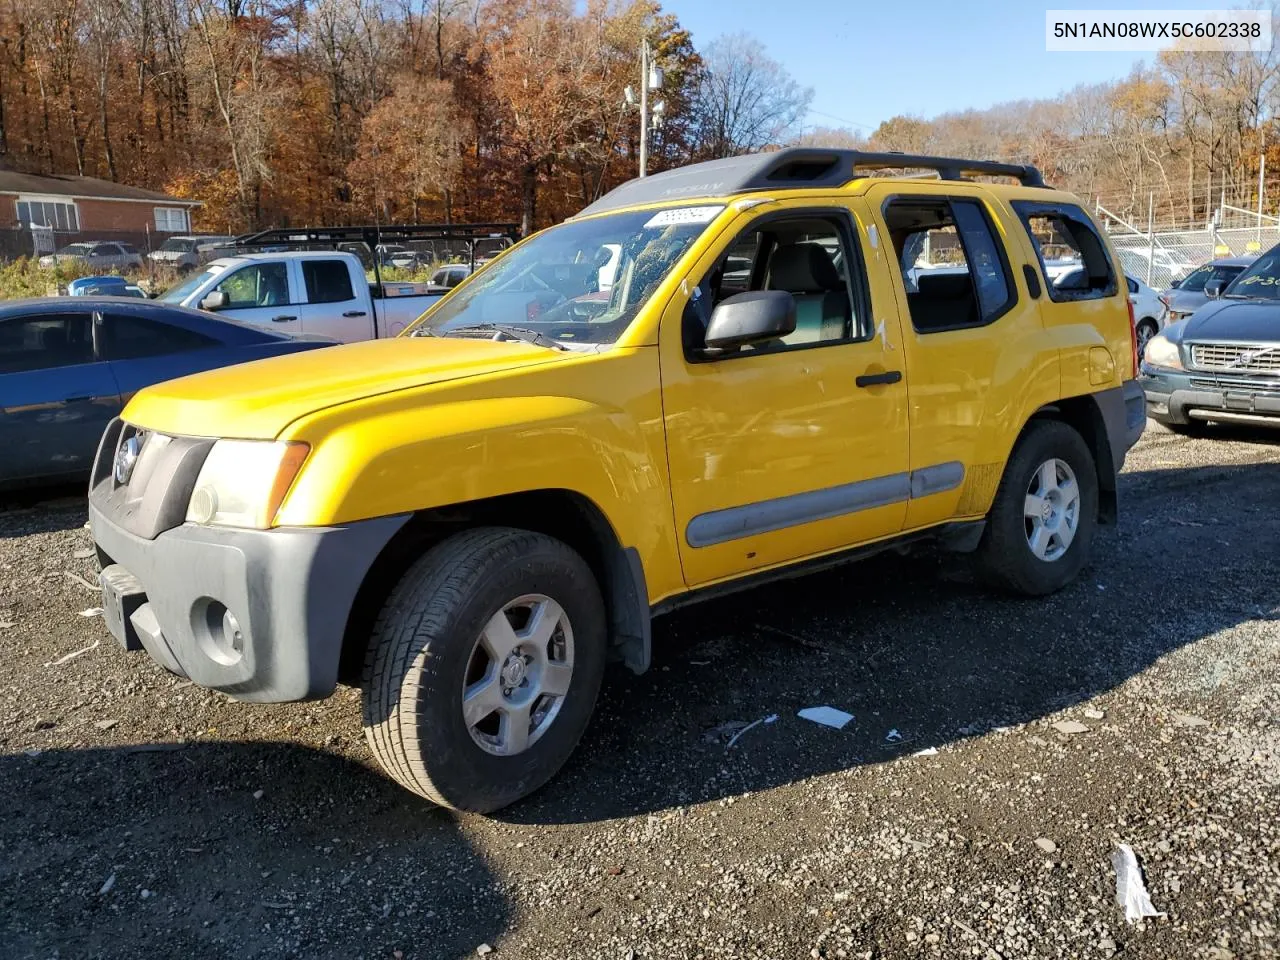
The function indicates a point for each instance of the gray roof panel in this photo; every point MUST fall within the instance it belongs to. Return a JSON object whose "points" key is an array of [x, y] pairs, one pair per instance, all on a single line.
{"points": [[793, 168]]}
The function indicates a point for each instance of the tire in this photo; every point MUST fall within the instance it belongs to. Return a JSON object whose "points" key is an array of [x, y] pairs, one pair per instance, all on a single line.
{"points": [[434, 636], [1005, 557], [1145, 329]]}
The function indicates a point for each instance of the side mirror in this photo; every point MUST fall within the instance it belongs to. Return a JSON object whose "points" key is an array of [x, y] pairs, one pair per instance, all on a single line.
{"points": [[215, 301], [751, 317], [1175, 284], [1213, 288]]}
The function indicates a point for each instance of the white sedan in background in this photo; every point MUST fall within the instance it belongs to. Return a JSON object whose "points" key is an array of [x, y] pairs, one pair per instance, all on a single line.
{"points": [[1150, 315]]}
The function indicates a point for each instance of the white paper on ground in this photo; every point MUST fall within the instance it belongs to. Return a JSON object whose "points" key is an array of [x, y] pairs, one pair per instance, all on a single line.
{"points": [[827, 716], [1131, 892]]}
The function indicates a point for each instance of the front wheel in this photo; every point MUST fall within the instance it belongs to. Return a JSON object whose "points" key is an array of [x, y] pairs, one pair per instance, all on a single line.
{"points": [[1041, 526], [483, 668], [1145, 331]]}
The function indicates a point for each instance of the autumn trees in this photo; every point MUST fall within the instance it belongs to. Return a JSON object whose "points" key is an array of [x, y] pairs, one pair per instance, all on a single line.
{"points": [[290, 112]]}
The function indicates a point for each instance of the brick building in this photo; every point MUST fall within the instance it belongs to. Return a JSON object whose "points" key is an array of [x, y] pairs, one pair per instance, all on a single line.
{"points": [[65, 208]]}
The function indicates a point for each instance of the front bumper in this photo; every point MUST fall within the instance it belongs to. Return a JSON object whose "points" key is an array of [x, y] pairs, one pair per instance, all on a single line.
{"points": [[257, 614], [1183, 396]]}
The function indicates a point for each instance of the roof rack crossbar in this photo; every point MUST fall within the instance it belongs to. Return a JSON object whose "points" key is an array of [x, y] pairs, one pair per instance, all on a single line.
{"points": [[948, 168]]}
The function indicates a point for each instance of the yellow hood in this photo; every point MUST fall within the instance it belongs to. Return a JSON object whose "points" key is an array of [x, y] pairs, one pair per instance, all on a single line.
{"points": [[258, 400]]}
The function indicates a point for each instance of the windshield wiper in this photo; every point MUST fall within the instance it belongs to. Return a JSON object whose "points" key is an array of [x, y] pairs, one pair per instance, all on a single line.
{"points": [[516, 333], [1244, 296]]}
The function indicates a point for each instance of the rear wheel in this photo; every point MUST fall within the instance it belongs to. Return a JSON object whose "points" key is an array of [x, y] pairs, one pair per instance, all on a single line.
{"points": [[1041, 526], [483, 668]]}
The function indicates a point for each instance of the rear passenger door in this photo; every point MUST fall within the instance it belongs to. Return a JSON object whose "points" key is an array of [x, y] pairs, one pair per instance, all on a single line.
{"points": [[56, 395], [143, 351], [969, 329], [333, 308]]}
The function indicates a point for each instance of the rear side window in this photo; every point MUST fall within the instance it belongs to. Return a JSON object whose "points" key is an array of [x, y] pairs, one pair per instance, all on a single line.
{"points": [[45, 341], [328, 281], [1072, 255], [128, 338], [953, 265]]}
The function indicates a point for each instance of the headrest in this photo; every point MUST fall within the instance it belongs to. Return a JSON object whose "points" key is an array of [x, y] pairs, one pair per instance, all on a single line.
{"points": [[803, 268], [942, 285]]}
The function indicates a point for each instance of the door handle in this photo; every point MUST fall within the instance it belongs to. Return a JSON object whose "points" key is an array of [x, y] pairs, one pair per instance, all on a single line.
{"points": [[354, 313], [283, 318], [879, 379]]}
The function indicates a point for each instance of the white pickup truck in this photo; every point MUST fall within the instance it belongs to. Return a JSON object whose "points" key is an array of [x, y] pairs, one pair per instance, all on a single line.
{"points": [[313, 292]]}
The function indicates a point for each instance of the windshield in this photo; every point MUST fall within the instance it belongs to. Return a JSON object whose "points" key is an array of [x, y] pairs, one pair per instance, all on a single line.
{"points": [[1259, 281], [569, 284], [173, 245], [75, 250], [183, 290], [1197, 279]]}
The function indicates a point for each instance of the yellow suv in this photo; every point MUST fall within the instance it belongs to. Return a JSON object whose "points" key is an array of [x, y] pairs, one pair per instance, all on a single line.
{"points": [[712, 376]]}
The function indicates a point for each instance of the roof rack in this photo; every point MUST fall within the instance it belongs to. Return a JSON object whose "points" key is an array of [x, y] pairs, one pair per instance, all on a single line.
{"points": [[793, 167], [374, 234]]}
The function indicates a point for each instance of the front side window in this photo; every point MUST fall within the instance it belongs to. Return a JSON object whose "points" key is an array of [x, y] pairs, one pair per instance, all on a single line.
{"points": [[806, 256], [44, 341], [259, 285], [953, 265], [1065, 230], [549, 286], [327, 281]]}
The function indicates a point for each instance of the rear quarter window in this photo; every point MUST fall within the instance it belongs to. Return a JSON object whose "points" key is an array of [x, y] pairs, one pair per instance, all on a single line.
{"points": [[1064, 231]]}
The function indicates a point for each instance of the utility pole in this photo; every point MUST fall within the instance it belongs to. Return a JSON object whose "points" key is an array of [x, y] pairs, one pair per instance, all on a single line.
{"points": [[1262, 183], [650, 80], [1151, 233], [644, 106]]}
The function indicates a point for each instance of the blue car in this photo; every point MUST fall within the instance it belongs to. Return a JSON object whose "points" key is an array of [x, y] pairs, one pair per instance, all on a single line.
{"points": [[68, 365]]}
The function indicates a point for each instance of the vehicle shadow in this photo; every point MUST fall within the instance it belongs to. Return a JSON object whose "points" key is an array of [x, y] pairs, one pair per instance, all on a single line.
{"points": [[42, 509], [912, 645], [331, 860]]}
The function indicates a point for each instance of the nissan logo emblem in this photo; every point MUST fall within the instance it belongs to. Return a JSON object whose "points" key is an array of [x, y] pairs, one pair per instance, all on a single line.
{"points": [[127, 458]]}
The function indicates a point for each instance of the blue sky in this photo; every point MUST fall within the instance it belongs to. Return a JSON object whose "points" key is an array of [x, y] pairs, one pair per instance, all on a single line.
{"points": [[854, 53]]}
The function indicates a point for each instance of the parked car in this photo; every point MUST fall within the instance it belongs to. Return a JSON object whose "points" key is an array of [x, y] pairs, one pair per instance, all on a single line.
{"points": [[1149, 312], [1186, 296], [1222, 363], [483, 512], [187, 253], [96, 255], [68, 366], [452, 275], [1167, 266], [304, 291]]}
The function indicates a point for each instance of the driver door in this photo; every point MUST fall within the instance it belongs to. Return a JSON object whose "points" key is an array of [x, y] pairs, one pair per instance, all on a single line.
{"points": [[796, 447], [260, 293]]}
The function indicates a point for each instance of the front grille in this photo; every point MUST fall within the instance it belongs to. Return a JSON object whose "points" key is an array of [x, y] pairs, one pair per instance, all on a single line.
{"points": [[1243, 357], [1252, 385], [154, 495]]}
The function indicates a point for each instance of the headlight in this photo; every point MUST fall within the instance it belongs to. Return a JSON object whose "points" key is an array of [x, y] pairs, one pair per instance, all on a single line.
{"points": [[243, 482], [1162, 352]]}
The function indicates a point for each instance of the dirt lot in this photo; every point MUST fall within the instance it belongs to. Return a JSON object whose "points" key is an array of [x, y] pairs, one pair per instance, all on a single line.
{"points": [[141, 816]]}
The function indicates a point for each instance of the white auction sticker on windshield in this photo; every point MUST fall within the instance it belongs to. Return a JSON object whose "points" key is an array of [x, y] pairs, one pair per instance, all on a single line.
{"points": [[682, 215]]}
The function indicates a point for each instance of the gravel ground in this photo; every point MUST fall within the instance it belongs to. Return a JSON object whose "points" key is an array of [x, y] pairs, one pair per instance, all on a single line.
{"points": [[142, 816]]}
